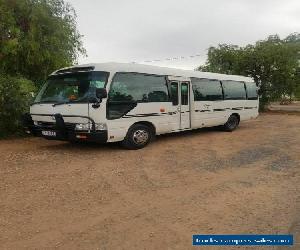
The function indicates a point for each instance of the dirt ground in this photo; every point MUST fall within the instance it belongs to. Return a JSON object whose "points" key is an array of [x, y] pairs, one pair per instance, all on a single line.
{"points": [[292, 107], [58, 195]]}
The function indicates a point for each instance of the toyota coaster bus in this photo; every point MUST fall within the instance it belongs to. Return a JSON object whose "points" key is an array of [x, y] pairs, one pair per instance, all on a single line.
{"points": [[110, 102]]}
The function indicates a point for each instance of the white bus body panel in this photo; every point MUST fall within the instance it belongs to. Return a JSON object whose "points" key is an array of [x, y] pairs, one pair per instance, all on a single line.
{"points": [[167, 119], [163, 122]]}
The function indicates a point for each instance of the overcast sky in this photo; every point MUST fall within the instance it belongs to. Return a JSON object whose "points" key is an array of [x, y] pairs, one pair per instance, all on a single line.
{"points": [[140, 30]]}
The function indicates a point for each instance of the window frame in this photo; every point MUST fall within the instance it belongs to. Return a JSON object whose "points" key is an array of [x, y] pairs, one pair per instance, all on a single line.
{"points": [[209, 79], [252, 98], [133, 103], [188, 93], [139, 73], [239, 99], [70, 73], [170, 82]]}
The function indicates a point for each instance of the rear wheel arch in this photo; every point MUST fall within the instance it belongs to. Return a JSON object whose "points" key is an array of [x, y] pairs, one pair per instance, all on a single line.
{"points": [[232, 122], [237, 115]]}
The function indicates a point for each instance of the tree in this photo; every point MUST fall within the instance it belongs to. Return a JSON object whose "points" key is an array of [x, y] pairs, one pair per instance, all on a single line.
{"points": [[272, 63], [37, 37], [15, 97], [222, 59]]}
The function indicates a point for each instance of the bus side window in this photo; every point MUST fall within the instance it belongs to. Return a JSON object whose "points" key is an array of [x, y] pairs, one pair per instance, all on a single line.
{"points": [[127, 90], [207, 89], [251, 91], [234, 90], [174, 93], [184, 93]]}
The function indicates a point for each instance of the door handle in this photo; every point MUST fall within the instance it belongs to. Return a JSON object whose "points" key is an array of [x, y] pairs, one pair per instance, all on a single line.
{"points": [[178, 109]]}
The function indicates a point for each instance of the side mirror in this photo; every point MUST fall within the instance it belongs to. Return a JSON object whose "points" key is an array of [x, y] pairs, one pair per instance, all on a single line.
{"points": [[93, 99], [101, 93]]}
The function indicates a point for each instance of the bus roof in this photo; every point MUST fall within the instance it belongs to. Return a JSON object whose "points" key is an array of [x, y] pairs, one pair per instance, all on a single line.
{"points": [[149, 69]]}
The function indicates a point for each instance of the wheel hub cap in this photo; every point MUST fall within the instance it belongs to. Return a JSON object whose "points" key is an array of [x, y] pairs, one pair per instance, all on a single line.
{"points": [[232, 123], [140, 136]]}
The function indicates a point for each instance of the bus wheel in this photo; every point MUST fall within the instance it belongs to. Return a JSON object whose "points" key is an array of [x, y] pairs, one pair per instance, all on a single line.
{"points": [[138, 136], [232, 123]]}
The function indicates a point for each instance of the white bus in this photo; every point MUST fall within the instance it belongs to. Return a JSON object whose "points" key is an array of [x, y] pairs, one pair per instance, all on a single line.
{"points": [[110, 102]]}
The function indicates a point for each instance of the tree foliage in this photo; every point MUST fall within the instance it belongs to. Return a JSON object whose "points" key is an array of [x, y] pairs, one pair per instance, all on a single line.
{"points": [[37, 37], [273, 63], [15, 97]]}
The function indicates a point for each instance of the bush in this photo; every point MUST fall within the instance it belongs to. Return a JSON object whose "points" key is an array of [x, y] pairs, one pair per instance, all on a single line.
{"points": [[16, 93]]}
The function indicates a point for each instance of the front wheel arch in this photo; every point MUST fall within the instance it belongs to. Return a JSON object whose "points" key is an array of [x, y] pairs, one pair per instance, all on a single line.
{"points": [[148, 124], [149, 131]]}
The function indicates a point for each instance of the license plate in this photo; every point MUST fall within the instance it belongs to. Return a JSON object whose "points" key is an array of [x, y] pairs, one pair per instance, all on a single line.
{"points": [[48, 133]]}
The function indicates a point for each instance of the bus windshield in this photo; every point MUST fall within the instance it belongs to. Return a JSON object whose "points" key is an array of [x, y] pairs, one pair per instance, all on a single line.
{"points": [[72, 87]]}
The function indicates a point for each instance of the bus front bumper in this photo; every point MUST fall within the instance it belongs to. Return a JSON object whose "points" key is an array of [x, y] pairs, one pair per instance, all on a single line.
{"points": [[62, 131], [98, 136]]}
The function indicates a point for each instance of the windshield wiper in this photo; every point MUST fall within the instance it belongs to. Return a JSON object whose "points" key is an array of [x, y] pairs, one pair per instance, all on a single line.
{"points": [[41, 102], [60, 103]]}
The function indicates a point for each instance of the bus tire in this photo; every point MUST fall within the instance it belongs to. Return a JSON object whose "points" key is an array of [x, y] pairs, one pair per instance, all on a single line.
{"points": [[138, 136], [232, 123]]}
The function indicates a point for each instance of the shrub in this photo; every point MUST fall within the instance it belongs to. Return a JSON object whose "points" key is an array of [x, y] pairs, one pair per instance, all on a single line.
{"points": [[16, 93]]}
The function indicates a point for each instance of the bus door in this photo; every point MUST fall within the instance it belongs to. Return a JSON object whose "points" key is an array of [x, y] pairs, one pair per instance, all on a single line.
{"points": [[185, 114], [174, 120], [180, 93]]}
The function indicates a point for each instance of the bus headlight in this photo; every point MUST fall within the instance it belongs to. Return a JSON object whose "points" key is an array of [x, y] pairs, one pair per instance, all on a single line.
{"points": [[100, 126], [88, 126]]}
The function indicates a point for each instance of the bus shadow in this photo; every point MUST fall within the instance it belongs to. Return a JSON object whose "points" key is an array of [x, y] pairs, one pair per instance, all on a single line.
{"points": [[189, 133], [116, 146], [84, 146]]}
